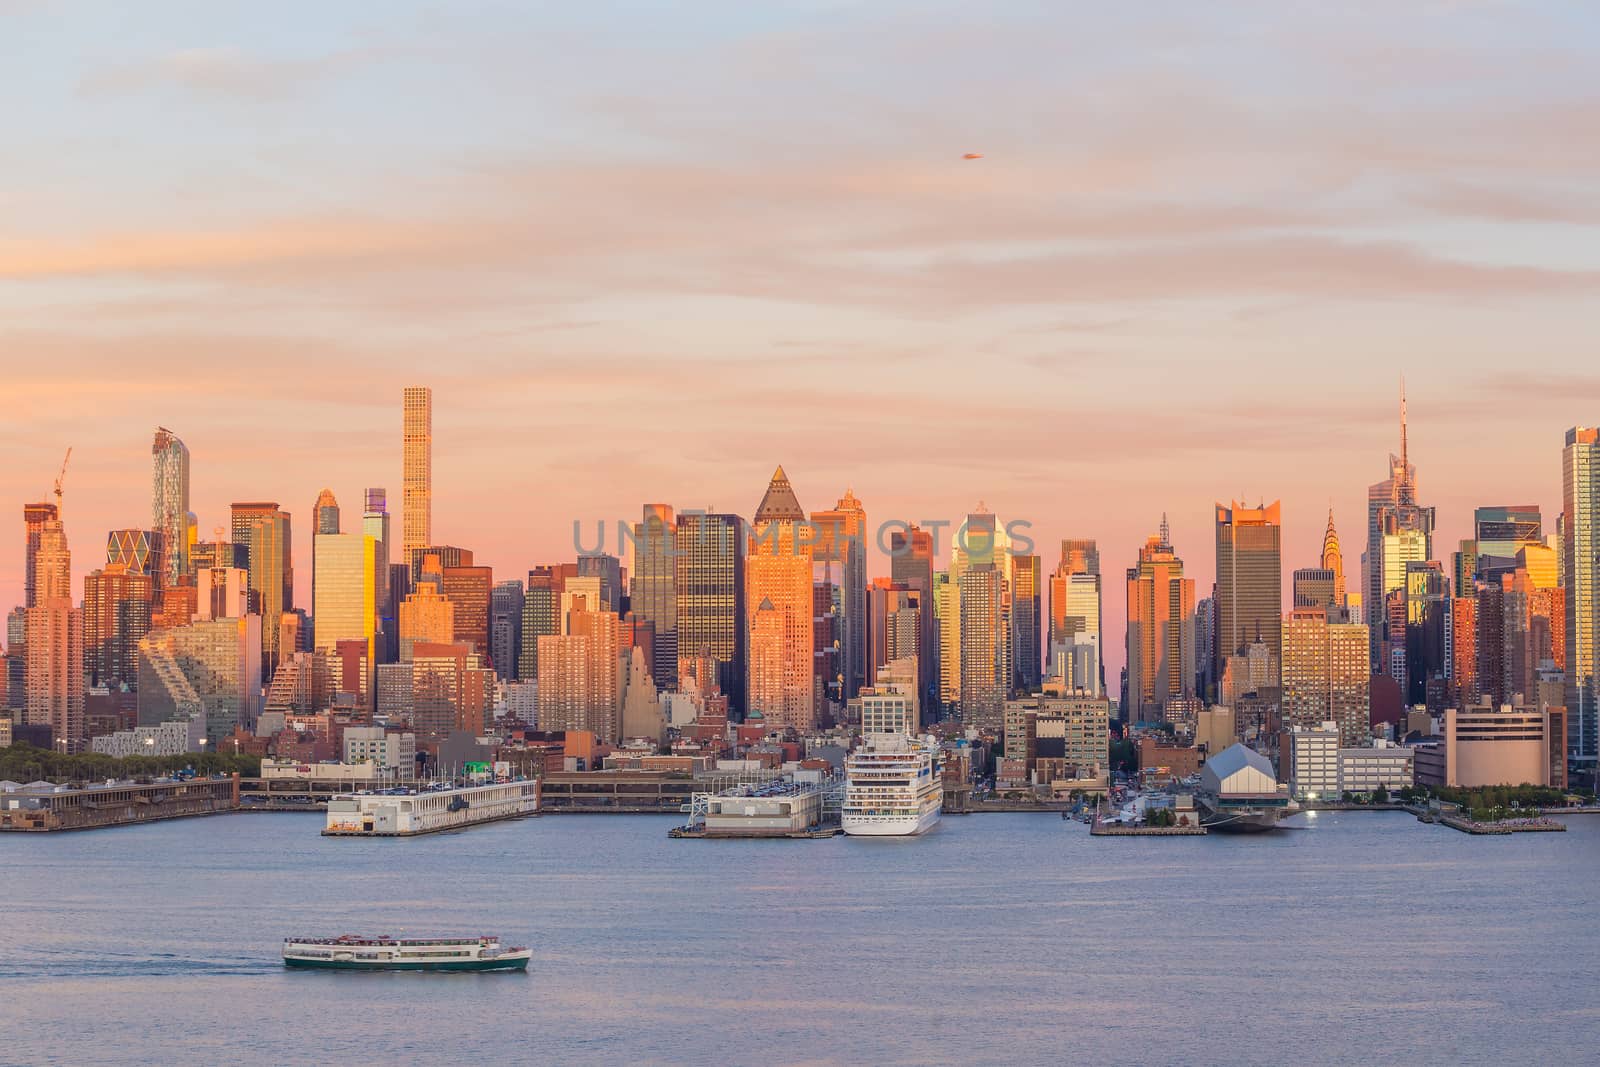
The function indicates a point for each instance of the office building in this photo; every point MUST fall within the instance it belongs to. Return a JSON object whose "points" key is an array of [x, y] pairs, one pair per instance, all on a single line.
{"points": [[654, 594], [344, 595], [1160, 636], [1325, 675], [1075, 604], [1489, 745], [1026, 618], [778, 598], [1399, 531], [469, 589], [1249, 594], [1580, 544], [506, 603], [264, 531], [840, 536], [451, 691], [911, 567], [116, 616], [427, 616]]}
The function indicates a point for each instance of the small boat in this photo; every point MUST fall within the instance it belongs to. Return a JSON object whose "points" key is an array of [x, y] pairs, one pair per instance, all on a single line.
{"points": [[385, 953]]}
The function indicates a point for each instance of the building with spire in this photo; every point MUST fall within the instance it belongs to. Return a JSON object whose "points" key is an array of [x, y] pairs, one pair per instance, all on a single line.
{"points": [[1399, 531], [1333, 560], [778, 597], [1161, 631]]}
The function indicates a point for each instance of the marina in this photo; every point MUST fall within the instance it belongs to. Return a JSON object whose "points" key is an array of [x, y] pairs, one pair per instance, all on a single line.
{"points": [[408, 813]]}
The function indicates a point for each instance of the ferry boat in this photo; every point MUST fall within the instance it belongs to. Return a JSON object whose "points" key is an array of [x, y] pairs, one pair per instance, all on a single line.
{"points": [[893, 787], [383, 953], [407, 812]]}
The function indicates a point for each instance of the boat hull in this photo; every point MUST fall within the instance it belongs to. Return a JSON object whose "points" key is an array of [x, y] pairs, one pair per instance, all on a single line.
{"points": [[891, 826], [502, 964], [1226, 818]]}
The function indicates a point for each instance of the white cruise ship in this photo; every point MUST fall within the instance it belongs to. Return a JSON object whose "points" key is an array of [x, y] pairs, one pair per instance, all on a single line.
{"points": [[893, 787]]}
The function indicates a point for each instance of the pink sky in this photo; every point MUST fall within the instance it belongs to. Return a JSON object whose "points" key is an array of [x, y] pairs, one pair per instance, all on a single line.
{"points": [[649, 257]]}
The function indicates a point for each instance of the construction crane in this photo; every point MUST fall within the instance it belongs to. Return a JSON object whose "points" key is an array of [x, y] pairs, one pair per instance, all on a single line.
{"points": [[61, 478]]}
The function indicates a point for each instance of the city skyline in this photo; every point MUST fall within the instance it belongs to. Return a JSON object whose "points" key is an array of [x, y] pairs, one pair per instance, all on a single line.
{"points": [[552, 534]]}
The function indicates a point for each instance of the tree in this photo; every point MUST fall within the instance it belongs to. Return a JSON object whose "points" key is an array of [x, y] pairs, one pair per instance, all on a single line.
{"points": [[1380, 795]]}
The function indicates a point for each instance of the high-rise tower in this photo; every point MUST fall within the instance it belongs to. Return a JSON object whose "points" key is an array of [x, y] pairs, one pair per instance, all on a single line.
{"points": [[1161, 643], [417, 461], [53, 643], [1249, 595], [169, 502], [1399, 531], [1580, 544], [1333, 559], [841, 537], [655, 590], [778, 600], [34, 517]]}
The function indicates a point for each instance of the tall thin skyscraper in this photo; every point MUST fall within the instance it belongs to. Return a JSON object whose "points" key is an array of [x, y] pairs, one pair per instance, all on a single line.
{"points": [[417, 461], [375, 524], [1249, 582], [1580, 544], [326, 513], [169, 502]]}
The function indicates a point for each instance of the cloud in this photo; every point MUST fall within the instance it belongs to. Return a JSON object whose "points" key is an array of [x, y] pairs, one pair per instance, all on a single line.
{"points": [[221, 71]]}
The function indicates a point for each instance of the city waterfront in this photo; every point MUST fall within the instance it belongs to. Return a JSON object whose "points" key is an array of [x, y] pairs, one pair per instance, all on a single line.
{"points": [[1346, 937]]}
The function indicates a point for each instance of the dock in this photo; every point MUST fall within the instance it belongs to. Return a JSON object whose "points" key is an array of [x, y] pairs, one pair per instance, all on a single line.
{"points": [[694, 833], [1100, 829], [45, 806]]}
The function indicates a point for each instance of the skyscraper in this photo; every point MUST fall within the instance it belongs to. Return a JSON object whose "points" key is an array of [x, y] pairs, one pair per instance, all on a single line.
{"points": [[1249, 581], [417, 469], [1399, 531], [980, 569], [470, 588], [1025, 620], [1580, 543], [505, 628], [1326, 676], [1075, 601], [541, 613], [265, 532], [654, 597], [34, 517], [344, 594], [1160, 642], [53, 644], [326, 513], [116, 615], [713, 626], [841, 537], [169, 502], [1333, 560], [427, 616], [911, 566], [375, 524], [778, 597]]}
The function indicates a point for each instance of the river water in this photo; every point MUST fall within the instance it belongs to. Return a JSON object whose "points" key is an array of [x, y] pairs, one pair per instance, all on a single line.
{"points": [[1008, 939]]}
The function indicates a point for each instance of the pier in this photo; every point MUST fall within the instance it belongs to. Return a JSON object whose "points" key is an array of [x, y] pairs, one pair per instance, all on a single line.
{"points": [[42, 806]]}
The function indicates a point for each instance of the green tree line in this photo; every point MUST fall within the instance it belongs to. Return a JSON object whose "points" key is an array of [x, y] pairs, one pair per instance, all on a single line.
{"points": [[24, 763]]}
